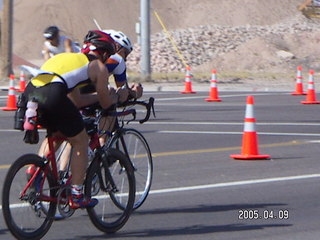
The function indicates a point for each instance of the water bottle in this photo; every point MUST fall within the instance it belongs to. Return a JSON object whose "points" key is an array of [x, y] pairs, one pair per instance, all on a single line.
{"points": [[20, 113], [31, 112]]}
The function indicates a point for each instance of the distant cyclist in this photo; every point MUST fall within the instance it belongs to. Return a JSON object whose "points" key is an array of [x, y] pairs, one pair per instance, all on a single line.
{"points": [[56, 43], [56, 90]]}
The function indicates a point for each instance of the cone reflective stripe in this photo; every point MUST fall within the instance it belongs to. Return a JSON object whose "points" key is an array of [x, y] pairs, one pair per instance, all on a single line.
{"points": [[187, 81], [213, 97], [22, 82], [311, 94], [11, 102], [249, 138], [299, 85]]}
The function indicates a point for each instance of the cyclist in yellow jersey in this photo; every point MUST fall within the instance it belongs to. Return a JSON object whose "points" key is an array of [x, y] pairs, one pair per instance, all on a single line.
{"points": [[116, 66], [68, 68], [58, 96]]}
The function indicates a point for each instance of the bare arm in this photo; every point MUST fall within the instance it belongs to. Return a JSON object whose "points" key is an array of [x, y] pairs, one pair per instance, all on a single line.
{"points": [[125, 92], [99, 75], [68, 45], [82, 100], [45, 53], [136, 90]]}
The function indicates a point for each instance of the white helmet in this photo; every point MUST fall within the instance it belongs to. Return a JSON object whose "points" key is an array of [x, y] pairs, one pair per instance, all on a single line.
{"points": [[120, 38]]}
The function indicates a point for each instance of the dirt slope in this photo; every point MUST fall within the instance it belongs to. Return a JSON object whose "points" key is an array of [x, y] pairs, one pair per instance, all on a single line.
{"points": [[75, 17]]}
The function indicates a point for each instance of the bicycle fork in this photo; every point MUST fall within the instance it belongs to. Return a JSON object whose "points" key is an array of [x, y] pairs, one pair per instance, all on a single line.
{"points": [[108, 185], [124, 149]]}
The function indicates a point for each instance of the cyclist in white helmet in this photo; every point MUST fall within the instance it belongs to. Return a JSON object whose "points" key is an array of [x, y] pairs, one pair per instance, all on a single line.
{"points": [[116, 64]]}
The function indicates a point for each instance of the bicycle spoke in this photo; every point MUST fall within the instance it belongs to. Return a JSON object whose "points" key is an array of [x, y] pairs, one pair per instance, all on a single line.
{"points": [[133, 144], [119, 186], [26, 213]]}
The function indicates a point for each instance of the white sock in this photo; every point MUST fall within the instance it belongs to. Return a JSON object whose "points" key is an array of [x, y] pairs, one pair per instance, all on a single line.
{"points": [[76, 189]]}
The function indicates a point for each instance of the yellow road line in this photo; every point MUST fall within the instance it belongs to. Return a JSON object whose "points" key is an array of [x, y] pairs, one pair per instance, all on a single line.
{"points": [[185, 152], [6, 166]]}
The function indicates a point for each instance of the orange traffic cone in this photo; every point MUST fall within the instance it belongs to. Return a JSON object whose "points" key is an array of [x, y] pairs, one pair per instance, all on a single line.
{"points": [[299, 85], [249, 138], [187, 82], [311, 94], [11, 102], [213, 96], [22, 82]]}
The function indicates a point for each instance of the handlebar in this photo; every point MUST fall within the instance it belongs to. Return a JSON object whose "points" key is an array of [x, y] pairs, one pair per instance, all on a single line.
{"points": [[148, 104]]}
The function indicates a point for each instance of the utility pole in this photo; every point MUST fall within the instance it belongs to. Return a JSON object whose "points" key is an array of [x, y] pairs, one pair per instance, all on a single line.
{"points": [[6, 39], [145, 40]]}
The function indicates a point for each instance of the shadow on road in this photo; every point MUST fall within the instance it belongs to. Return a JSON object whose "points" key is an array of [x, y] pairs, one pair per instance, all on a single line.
{"points": [[196, 229]]}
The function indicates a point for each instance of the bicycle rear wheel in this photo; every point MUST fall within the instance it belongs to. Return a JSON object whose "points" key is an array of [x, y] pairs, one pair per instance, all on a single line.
{"points": [[134, 145], [110, 176], [26, 214]]}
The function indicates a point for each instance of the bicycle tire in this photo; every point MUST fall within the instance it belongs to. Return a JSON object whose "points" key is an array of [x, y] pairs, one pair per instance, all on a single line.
{"points": [[136, 148], [27, 218], [105, 216]]}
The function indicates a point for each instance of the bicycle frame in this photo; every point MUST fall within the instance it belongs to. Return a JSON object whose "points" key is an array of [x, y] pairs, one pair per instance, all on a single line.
{"points": [[50, 163], [41, 189], [50, 159]]}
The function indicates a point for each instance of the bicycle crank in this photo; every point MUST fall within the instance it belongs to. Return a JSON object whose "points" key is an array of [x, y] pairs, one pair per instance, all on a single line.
{"points": [[63, 195]]}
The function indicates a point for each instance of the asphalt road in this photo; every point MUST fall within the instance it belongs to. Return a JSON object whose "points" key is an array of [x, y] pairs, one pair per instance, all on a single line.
{"points": [[199, 191]]}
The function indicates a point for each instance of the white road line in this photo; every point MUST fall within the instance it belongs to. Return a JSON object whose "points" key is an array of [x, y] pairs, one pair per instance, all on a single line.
{"points": [[212, 123], [222, 96], [237, 133], [235, 183], [216, 185], [210, 132], [233, 123], [18, 131]]}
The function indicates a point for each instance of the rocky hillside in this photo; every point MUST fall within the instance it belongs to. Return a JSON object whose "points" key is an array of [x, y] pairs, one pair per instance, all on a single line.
{"points": [[271, 48], [231, 35]]}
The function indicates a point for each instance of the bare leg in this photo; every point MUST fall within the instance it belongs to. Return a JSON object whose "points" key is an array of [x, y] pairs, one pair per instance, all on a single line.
{"points": [[106, 125], [44, 148], [79, 159], [65, 157]]}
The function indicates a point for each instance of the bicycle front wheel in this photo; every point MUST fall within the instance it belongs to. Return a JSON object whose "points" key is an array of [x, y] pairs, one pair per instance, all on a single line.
{"points": [[26, 213], [132, 143], [110, 176]]}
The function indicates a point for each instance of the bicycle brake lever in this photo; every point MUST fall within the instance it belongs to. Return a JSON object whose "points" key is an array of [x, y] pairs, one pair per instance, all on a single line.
{"points": [[149, 106], [151, 101]]}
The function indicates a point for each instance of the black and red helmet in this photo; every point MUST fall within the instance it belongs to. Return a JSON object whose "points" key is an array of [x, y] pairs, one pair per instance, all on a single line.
{"points": [[96, 40]]}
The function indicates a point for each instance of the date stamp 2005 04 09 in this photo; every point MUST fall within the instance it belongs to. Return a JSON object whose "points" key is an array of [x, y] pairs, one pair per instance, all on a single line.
{"points": [[253, 214]]}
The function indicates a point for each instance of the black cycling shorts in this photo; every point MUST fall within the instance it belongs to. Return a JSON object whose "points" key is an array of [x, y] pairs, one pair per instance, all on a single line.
{"points": [[57, 111]]}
